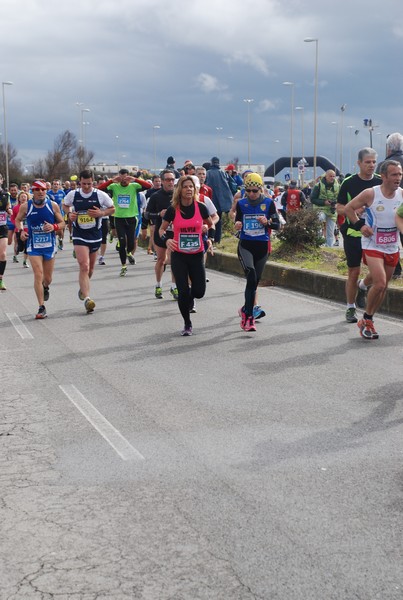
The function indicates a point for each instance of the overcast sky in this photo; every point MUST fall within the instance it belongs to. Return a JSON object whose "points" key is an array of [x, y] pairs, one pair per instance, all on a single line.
{"points": [[188, 66]]}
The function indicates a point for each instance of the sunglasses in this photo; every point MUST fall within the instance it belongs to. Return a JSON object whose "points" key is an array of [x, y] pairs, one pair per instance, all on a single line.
{"points": [[252, 191]]}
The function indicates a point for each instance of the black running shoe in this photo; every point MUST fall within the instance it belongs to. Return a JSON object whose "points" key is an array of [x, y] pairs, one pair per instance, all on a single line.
{"points": [[46, 293], [41, 314]]}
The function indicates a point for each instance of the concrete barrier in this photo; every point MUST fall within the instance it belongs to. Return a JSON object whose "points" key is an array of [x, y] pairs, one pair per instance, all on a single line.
{"points": [[315, 283]]}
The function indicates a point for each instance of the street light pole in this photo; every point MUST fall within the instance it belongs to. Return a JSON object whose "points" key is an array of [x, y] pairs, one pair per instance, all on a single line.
{"points": [[117, 151], [4, 83], [79, 105], [219, 130], [350, 127], [83, 110], [292, 85], [301, 108], [248, 102], [155, 147], [337, 140], [315, 116], [342, 108], [274, 167]]}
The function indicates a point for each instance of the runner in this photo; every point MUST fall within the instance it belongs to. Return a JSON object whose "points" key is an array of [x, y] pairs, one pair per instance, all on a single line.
{"points": [[156, 207], [43, 219], [124, 190], [89, 206], [356, 289], [380, 240], [255, 216], [187, 215], [5, 213]]}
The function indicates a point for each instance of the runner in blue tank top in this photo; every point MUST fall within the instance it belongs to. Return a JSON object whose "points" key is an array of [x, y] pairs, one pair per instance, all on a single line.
{"points": [[43, 218]]}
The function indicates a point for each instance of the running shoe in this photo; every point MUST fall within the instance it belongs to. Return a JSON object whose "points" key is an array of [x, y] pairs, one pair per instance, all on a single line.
{"points": [[250, 324], [60, 245], [149, 251], [46, 293], [110, 238], [187, 331], [131, 258], [361, 296], [367, 329], [25, 264], [258, 312], [15, 259], [174, 293], [193, 308], [81, 296], [351, 315], [101, 261], [89, 305], [241, 313], [158, 292], [123, 271], [155, 256], [117, 246], [41, 314], [2, 286]]}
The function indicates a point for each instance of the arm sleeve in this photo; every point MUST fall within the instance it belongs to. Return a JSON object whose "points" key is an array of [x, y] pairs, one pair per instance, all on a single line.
{"points": [[105, 184], [238, 213], [146, 185], [314, 197], [204, 211], [169, 214], [342, 197]]}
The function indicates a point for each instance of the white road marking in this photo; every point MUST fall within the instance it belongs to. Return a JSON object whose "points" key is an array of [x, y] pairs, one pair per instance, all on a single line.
{"points": [[19, 326], [114, 438]]}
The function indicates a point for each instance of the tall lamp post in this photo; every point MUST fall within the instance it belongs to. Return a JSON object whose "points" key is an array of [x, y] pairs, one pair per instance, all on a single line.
{"points": [[342, 108], [350, 128], [301, 108], [315, 113], [155, 127], [274, 167], [4, 83], [337, 139], [83, 110], [248, 102], [117, 152], [229, 139], [292, 85], [219, 130]]}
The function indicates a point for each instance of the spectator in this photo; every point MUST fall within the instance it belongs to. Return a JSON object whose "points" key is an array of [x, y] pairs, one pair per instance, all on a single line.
{"points": [[222, 195], [324, 198], [171, 166], [293, 199]]}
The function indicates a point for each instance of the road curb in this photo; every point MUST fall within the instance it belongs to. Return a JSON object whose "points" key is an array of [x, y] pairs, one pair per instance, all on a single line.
{"points": [[318, 284]]}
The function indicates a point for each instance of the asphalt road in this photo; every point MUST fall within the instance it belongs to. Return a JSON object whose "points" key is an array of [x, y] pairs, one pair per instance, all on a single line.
{"points": [[225, 466]]}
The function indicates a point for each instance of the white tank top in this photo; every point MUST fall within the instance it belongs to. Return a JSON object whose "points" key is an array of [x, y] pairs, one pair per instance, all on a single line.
{"points": [[380, 216]]}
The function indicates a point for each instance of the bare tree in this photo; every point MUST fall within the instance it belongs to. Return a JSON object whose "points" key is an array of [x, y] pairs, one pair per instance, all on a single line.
{"points": [[14, 164]]}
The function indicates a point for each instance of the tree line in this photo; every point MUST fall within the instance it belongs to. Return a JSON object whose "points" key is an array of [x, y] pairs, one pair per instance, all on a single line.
{"points": [[67, 157]]}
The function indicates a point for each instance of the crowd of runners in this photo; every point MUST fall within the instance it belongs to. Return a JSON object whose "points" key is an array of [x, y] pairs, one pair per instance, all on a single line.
{"points": [[180, 214]]}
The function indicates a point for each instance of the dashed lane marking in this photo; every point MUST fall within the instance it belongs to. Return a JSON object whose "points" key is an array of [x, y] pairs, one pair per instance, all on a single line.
{"points": [[114, 438], [19, 326]]}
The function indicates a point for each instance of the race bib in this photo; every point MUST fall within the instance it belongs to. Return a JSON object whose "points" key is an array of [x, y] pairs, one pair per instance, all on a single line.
{"points": [[42, 239], [189, 242], [386, 235], [252, 226], [124, 201], [3, 218], [85, 221]]}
